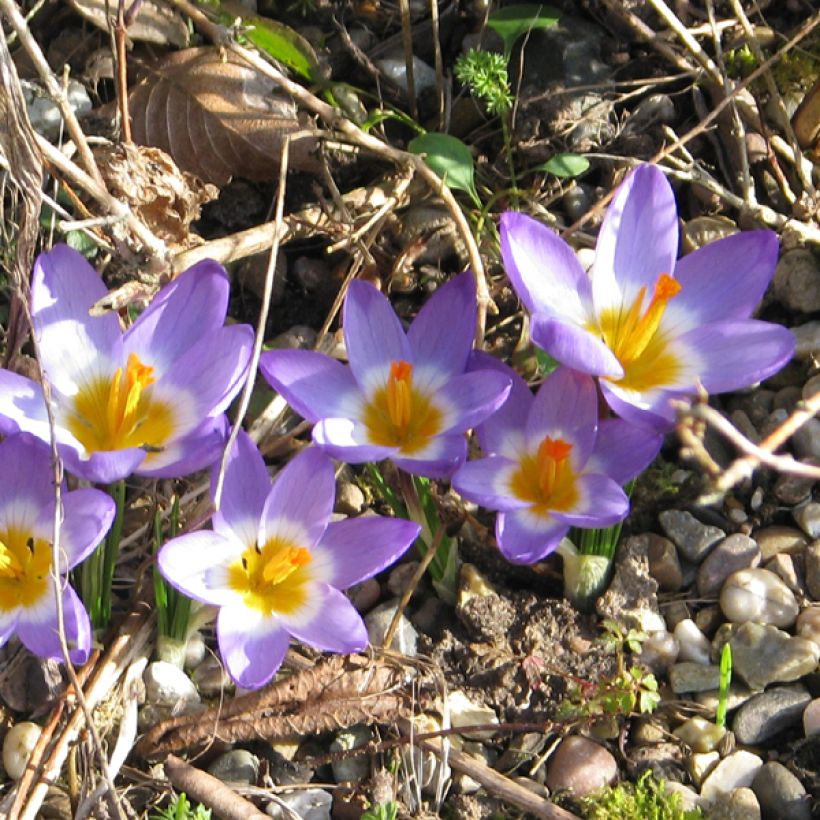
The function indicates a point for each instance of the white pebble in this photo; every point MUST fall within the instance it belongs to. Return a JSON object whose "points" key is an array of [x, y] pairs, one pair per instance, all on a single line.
{"points": [[18, 745], [694, 645], [758, 595]]}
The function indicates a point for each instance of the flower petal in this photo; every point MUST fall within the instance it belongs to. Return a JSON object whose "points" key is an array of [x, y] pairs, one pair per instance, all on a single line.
{"points": [[183, 456], [524, 538], [38, 629], [487, 482], [252, 645], [739, 353], [357, 548], [623, 451], [439, 459], [651, 409], [299, 506], [188, 309], [315, 385], [8, 624], [327, 621], [544, 270], [88, 515], [196, 564], [102, 466], [373, 335], [442, 333], [23, 408], [574, 346], [346, 440], [638, 240], [74, 346], [26, 482], [601, 503], [473, 397]]}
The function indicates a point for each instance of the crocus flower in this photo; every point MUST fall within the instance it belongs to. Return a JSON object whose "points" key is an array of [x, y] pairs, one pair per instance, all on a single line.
{"points": [[550, 465], [649, 327], [405, 396], [274, 565], [149, 400], [28, 604]]}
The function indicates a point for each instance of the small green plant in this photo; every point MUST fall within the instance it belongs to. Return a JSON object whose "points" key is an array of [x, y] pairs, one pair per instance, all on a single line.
{"points": [[181, 809], [725, 681], [383, 811], [485, 73], [644, 800]]}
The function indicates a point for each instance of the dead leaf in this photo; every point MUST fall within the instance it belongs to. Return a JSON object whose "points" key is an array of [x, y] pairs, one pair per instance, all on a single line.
{"points": [[216, 116], [806, 120], [157, 22]]}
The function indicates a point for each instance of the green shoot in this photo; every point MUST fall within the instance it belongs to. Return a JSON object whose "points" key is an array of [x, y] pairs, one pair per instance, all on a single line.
{"points": [[383, 811], [173, 608], [181, 809], [485, 74], [725, 680]]}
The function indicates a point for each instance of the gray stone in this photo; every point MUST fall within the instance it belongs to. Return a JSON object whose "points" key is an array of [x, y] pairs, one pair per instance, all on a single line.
{"points": [[349, 498], [664, 565], [736, 771], [737, 696], [781, 794], [581, 766], [792, 489], [378, 622], [789, 569], [352, 768], [211, 677], [808, 624], [758, 595], [738, 804], [807, 338], [659, 651], [167, 685], [694, 539], [693, 644], [766, 715], [236, 766], [763, 654], [797, 281], [811, 718], [806, 440], [808, 518], [777, 539], [812, 554], [693, 677], [689, 798], [732, 553], [307, 804]]}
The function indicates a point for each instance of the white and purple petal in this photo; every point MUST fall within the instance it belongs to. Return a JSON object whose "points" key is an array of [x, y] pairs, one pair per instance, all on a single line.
{"points": [[600, 503], [252, 645], [187, 454], [348, 440], [470, 398], [438, 459], [525, 538], [26, 482], [488, 482], [23, 408], [574, 346], [102, 466], [622, 450], [87, 517], [651, 409]]}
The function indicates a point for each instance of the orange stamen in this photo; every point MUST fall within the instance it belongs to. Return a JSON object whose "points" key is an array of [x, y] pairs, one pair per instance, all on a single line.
{"points": [[637, 329], [284, 563], [399, 396], [552, 455]]}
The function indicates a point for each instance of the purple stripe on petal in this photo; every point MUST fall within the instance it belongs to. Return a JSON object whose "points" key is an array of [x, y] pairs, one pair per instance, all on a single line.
{"points": [[373, 334], [37, 627], [473, 397], [327, 621], [357, 548], [623, 451], [575, 346], [315, 385], [601, 503], [252, 645], [487, 482], [88, 515], [524, 538], [442, 456], [183, 456], [346, 440]]}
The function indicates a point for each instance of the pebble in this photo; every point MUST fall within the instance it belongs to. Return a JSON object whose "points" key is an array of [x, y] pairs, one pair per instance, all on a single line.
{"points": [[776, 539], [811, 387], [806, 440], [763, 654], [689, 799], [766, 715], [792, 489], [354, 768], [236, 766], [395, 69], [581, 766], [758, 595], [674, 612], [364, 595], [738, 695], [700, 764], [736, 771], [18, 744], [466, 712], [664, 564], [811, 718], [659, 651], [700, 735], [211, 677], [796, 281], [812, 555], [693, 677], [807, 337], [44, 114], [694, 645], [739, 804], [167, 685], [807, 518], [781, 794], [349, 498], [398, 581], [731, 554], [307, 804], [378, 622], [195, 651], [709, 619], [788, 568], [694, 539], [808, 624]]}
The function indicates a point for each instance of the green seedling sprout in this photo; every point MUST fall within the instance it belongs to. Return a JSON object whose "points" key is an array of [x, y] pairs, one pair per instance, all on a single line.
{"points": [[725, 680]]}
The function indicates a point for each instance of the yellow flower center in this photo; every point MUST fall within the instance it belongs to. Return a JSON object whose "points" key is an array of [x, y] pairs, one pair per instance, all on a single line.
{"points": [[117, 413], [399, 415], [546, 480], [272, 579], [25, 563], [633, 336]]}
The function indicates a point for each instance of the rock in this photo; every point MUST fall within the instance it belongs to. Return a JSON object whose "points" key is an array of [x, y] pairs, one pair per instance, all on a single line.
{"points": [[758, 595], [577, 200], [18, 744], [709, 619], [788, 568], [764, 654], [812, 554], [792, 489], [811, 718], [396, 70], [400, 577], [659, 651], [466, 712], [694, 539], [694, 645], [354, 768], [766, 715], [364, 595], [56, 805], [738, 695], [689, 798], [808, 624], [736, 771], [731, 554], [807, 517], [349, 498], [781, 794], [700, 735], [195, 651], [211, 677], [693, 677], [675, 612], [806, 440], [378, 622], [581, 766], [307, 804], [236, 766], [774, 540], [167, 685], [739, 804], [807, 338], [44, 114], [664, 565], [797, 281]]}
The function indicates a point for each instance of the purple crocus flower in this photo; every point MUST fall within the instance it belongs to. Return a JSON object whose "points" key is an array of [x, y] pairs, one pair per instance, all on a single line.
{"points": [[28, 603], [550, 465], [649, 327], [275, 565], [405, 396], [149, 400]]}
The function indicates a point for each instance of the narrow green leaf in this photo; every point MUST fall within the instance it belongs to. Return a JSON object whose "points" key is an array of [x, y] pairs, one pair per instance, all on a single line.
{"points": [[565, 165], [450, 158], [285, 45], [513, 21]]}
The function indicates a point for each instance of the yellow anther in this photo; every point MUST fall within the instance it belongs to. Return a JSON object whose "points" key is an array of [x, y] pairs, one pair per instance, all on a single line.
{"points": [[284, 563], [639, 326], [399, 395], [552, 454]]}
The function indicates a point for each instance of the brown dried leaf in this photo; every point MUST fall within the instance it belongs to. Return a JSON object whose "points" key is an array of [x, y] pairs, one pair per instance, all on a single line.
{"points": [[157, 22], [216, 116]]}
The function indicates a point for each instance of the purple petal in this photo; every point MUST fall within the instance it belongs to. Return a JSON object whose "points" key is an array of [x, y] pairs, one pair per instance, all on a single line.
{"points": [[565, 407], [315, 385], [22, 406], [442, 333], [8, 624], [651, 409], [524, 538], [488, 482], [346, 440], [544, 270], [26, 482], [715, 287], [196, 564], [575, 346], [88, 515], [638, 240], [473, 397], [38, 630], [190, 308], [623, 451], [102, 467], [253, 646], [183, 456], [244, 492], [373, 335], [327, 621], [299, 506], [355, 549], [601, 503], [442, 456], [740, 352]]}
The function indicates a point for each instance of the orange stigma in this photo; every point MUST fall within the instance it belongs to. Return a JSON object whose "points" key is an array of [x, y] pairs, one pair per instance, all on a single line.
{"points": [[552, 454], [399, 395]]}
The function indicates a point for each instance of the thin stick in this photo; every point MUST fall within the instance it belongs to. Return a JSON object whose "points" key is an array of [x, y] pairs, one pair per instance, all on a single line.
{"points": [[407, 44], [122, 71]]}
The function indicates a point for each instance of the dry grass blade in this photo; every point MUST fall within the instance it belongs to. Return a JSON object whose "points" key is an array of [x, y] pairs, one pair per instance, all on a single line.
{"points": [[216, 116]]}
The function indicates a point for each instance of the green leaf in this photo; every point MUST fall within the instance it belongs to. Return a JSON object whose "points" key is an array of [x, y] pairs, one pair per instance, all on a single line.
{"points": [[565, 165], [285, 45], [513, 21], [450, 158]]}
